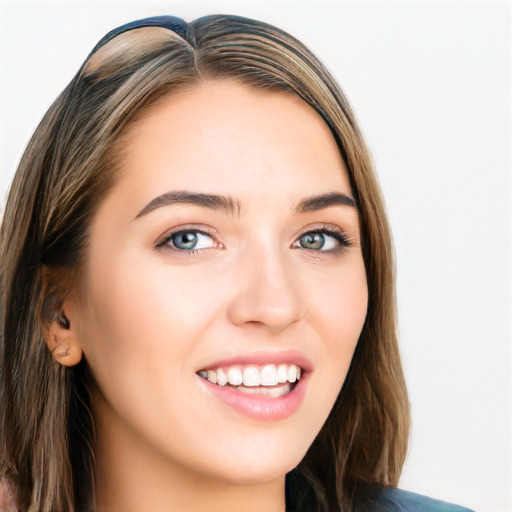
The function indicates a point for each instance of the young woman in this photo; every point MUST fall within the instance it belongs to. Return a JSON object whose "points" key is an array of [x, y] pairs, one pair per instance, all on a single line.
{"points": [[197, 287]]}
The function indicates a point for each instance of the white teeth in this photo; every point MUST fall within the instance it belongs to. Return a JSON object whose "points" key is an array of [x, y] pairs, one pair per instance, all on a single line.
{"points": [[292, 373], [282, 373], [222, 380], [251, 376], [273, 392], [279, 391], [249, 391], [268, 375], [235, 376]]}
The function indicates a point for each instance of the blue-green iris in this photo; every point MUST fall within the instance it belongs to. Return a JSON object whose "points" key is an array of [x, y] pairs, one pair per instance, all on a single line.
{"points": [[186, 240], [312, 241]]}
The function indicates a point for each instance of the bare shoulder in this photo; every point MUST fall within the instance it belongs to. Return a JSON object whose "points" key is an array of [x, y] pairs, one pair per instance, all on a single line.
{"points": [[7, 496]]}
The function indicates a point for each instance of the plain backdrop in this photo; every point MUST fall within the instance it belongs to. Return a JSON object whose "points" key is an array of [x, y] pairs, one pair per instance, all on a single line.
{"points": [[431, 85]]}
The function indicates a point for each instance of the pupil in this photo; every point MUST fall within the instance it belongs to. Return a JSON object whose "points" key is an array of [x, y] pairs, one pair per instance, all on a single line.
{"points": [[185, 240], [313, 241]]}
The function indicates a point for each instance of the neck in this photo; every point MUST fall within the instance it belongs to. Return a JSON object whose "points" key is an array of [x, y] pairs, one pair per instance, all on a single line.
{"points": [[130, 476]]}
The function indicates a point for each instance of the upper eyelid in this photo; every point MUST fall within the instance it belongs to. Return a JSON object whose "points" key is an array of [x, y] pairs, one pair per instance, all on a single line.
{"points": [[323, 227]]}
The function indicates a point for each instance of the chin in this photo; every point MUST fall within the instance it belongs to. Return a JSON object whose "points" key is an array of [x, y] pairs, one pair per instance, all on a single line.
{"points": [[256, 465], [252, 475]]}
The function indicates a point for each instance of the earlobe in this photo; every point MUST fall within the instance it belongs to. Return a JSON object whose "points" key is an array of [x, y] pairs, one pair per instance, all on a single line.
{"points": [[62, 340]]}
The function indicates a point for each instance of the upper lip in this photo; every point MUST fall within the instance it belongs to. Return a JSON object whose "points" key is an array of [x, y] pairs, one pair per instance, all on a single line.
{"points": [[262, 358]]}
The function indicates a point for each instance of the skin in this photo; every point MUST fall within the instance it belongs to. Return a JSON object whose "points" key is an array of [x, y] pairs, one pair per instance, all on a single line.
{"points": [[151, 315]]}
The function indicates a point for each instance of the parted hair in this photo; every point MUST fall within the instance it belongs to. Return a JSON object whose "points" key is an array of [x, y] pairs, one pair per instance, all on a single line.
{"points": [[69, 165]]}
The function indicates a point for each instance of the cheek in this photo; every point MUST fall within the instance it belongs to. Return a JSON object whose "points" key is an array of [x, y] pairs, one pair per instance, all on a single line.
{"points": [[339, 304], [348, 308], [337, 310], [146, 317], [139, 333]]}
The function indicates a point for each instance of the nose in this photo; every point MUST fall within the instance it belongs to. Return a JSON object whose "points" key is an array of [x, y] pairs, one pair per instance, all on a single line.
{"points": [[266, 292]]}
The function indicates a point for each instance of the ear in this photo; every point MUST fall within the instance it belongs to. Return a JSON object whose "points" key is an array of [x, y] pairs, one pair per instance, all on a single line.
{"points": [[56, 316], [62, 339]]}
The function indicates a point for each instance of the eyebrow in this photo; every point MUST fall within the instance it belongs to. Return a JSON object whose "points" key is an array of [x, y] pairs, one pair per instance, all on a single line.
{"points": [[314, 203], [211, 201], [232, 206]]}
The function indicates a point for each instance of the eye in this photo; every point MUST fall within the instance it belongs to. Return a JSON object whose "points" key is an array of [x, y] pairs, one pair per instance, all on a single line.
{"points": [[321, 240], [188, 240]]}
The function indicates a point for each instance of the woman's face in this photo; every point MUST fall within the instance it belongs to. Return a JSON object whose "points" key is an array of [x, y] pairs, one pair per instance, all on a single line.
{"points": [[229, 249]]}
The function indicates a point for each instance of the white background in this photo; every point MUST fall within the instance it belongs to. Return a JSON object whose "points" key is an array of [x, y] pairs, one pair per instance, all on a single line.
{"points": [[430, 83]]}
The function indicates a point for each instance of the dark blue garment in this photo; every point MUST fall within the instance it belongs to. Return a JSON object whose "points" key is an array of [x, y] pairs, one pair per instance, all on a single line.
{"points": [[300, 497], [390, 499]]}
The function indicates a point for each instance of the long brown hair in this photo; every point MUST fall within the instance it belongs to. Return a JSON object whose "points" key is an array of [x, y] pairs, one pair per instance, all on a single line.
{"points": [[69, 166]]}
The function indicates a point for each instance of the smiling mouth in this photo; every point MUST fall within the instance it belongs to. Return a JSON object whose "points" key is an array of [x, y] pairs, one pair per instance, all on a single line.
{"points": [[267, 380]]}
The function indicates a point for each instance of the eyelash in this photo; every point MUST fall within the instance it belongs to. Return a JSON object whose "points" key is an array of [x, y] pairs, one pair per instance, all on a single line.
{"points": [[339, 236]]}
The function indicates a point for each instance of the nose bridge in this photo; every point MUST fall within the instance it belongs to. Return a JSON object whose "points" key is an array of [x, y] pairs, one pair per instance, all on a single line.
{"points": [[266, 292]]}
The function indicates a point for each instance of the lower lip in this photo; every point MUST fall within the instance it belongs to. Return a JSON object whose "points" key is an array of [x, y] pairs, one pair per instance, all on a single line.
{"points": [[260, 407]]}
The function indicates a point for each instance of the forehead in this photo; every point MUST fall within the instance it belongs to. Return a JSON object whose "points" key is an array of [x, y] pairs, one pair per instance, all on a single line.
{"points": [[220, 137]]}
